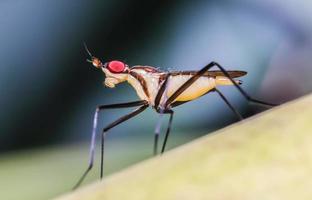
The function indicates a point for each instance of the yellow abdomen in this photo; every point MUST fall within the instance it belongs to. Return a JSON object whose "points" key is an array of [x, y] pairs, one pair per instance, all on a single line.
{"points": [[198, 88]]}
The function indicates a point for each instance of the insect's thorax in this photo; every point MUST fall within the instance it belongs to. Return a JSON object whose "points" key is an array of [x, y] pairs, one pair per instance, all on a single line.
{"points": [[145, 83]]}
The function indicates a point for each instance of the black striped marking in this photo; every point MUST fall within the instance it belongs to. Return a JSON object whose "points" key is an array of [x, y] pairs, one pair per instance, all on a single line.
{"points": [[142, 82]]}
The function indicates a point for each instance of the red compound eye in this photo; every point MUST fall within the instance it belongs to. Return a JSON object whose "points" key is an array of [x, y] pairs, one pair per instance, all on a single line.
{"points": [[116, 66]]}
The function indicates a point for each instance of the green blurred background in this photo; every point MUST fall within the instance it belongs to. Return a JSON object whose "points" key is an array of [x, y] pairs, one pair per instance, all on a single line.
{"points": [[49, 92]]}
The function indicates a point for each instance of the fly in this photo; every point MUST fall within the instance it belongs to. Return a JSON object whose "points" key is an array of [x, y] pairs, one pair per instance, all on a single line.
{"points": [[162, 91]]}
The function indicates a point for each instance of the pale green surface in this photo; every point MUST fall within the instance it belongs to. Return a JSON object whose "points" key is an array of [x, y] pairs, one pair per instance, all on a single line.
{"points": [[44, 174], [266, 157], [41, 174]]}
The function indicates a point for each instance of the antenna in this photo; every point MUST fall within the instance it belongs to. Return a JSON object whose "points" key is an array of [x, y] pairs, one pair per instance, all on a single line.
{"points": [[85, 45]]}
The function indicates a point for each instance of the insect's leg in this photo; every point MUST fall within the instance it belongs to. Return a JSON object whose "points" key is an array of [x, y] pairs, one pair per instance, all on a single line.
{"points": [[238, 115], [115, 123], [157, 132], [95, 120], [168, 130], [189, 82], [160, 93], [240, 89]]}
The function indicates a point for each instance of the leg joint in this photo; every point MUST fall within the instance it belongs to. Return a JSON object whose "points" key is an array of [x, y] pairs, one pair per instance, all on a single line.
{"points": [[214, 63], [98, 108]]}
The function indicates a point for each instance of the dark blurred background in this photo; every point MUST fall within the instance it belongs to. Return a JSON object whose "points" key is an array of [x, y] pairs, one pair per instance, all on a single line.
{"points": [[49, 92]]}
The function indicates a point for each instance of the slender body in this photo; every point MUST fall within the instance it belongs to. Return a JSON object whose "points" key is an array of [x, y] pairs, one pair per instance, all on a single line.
{"points": [[162, 91], [147, 81]]}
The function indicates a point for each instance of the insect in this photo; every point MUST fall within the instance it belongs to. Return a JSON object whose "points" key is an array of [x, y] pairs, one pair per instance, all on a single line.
{"points": [[162, 91]]}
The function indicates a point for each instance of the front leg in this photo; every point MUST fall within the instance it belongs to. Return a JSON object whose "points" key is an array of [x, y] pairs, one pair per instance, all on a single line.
{"points": [[115, 123], [95, 120]]}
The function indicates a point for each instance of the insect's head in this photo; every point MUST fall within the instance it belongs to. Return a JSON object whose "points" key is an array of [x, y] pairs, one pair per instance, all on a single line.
{"points": [[115, 71]]}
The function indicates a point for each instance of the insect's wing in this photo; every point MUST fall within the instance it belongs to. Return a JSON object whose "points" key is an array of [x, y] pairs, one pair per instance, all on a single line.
{"points": [[233, 74]]}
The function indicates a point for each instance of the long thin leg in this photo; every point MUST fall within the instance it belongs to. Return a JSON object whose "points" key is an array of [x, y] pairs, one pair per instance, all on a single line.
{"points": [[168, 130], [171, 112], [189, 82], [157, 132], [115, 123], [238, 115], [95, 120], [156, 136], [160, 110], [247, 96]]}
